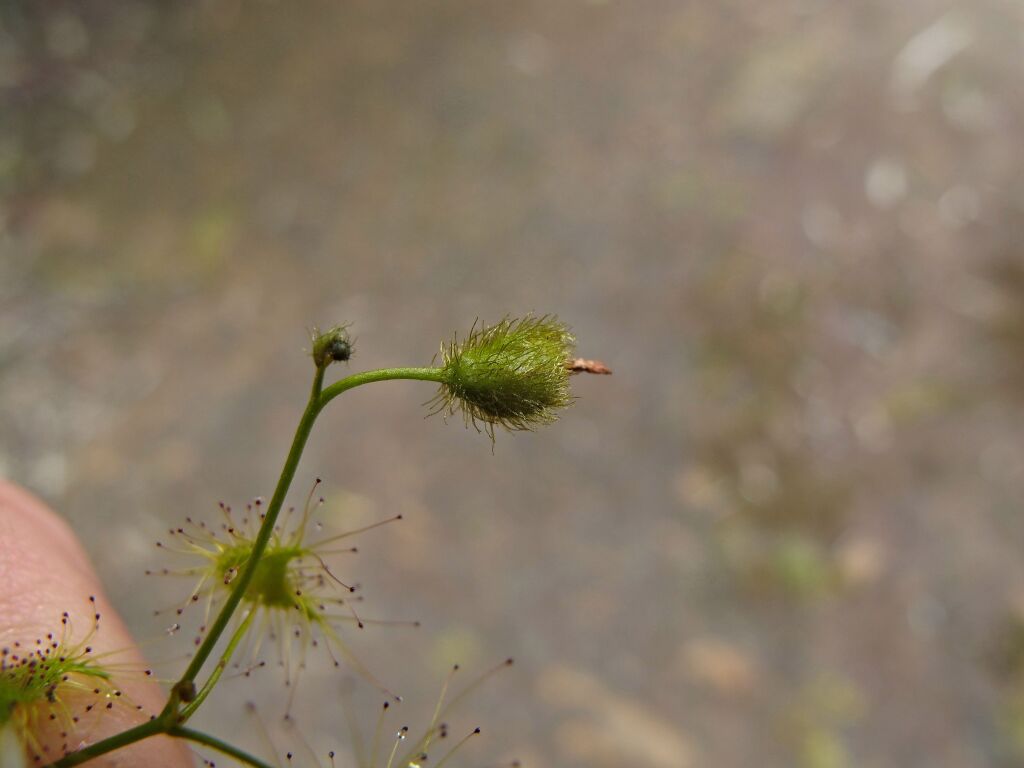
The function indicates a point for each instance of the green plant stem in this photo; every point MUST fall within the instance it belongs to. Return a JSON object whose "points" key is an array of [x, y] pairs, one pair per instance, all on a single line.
{"points": [[382, 374], [263, 535], [222, 664], [168, 721], [142, 731], [221, 746], [318, 399]]}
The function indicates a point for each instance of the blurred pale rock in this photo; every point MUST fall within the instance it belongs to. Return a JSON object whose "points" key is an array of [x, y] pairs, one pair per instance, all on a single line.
{"points": [[724, 668], [775, 84], [610, 729], [885, 183], [700, 487], [925, 54], [860, 561]]}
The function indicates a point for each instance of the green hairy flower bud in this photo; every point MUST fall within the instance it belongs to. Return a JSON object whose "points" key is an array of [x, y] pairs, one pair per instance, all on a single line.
{"points": [[513, 374], [332, 345]]}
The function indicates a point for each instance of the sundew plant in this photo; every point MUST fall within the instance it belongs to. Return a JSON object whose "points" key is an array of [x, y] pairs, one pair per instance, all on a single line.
{"points": [[258, 571]]}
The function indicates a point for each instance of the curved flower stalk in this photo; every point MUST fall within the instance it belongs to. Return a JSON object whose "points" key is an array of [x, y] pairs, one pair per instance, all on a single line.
{"points": [[54, 683], [294, 598]]}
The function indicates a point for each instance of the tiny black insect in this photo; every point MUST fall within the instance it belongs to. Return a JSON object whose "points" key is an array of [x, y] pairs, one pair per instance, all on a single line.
{"points": [[332, 345], [339, 349]]}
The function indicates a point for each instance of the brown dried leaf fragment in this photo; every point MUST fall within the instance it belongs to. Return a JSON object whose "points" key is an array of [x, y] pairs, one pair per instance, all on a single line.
{"points": [[582, 365]]}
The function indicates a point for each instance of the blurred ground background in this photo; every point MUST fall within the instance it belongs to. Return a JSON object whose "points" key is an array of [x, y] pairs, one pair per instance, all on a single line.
{"points": [[787, 532]]}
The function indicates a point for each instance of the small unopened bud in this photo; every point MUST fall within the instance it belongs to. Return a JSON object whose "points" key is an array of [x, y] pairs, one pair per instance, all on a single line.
{"points": [[186, 691], [332, 345], [512, 374]]}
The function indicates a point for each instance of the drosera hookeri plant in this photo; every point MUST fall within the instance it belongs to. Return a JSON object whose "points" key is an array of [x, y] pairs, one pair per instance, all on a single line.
{"points": [[512, 375], [295, 599], [388, 744], [56, 683]]}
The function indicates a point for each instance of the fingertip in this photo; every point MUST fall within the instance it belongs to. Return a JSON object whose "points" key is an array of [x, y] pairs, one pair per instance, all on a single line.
{"points": [[45, 572]]}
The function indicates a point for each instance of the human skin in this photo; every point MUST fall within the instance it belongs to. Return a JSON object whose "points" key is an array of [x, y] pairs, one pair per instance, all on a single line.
{"points": [[44, 572]]}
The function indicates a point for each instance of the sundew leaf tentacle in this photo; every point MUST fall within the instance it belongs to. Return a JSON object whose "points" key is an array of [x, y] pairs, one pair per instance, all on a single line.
{"points": [[388, 745]]}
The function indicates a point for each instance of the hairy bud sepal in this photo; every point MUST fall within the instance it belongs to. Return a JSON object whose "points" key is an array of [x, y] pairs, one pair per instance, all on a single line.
{"points": [[512, 374], [332, 345]]}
